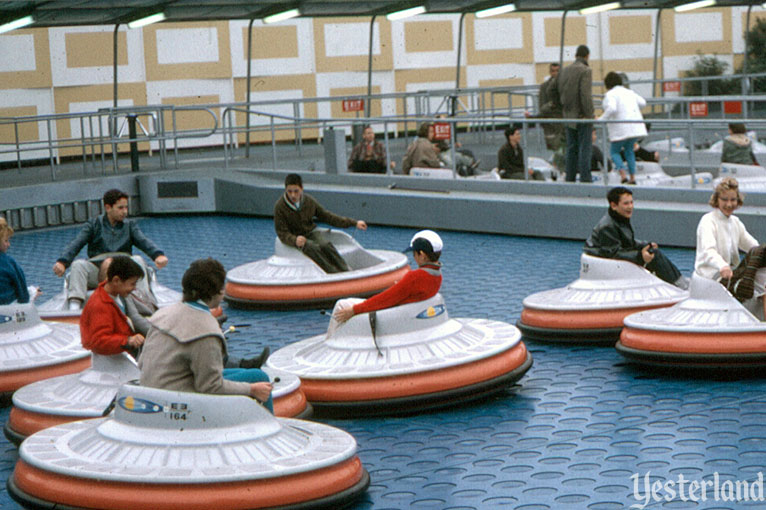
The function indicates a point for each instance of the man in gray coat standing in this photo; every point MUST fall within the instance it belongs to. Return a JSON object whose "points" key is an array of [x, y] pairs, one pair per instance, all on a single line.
{"points": [[575, 82]]}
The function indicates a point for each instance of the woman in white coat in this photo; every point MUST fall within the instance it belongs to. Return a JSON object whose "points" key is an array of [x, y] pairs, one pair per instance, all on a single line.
{"points": [[721, 236], [621, 103]]}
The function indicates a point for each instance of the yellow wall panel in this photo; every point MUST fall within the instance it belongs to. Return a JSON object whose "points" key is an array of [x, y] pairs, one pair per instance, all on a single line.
{"points": [[273, 42], [428, 36], [41, 76], [575, 32], [304, 82], [501, 100], [63, 97], [27, 130], [190, 119], [95, 49], [630, 30]]}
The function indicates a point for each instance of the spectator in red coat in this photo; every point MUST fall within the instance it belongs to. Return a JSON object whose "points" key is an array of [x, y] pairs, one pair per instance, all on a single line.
{"points": [[104, 326], [418, 285]]}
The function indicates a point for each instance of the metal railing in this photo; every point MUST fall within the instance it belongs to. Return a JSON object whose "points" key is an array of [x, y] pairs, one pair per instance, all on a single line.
{"points": [[96, 139]]}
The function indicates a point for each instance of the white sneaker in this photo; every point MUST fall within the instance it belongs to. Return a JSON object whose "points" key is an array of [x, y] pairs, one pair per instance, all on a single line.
{"points": [[74, 305]]}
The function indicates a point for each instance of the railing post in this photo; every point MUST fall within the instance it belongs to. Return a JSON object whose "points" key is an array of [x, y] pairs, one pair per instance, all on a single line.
{"points": [[273, 145], [133, 143], [523, 146], [690, 130], [298, 130], [388, 154], [18, 146]]}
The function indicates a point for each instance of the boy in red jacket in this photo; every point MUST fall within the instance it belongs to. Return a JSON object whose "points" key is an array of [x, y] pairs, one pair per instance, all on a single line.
{"points": [[418, 285], [104, 326]]}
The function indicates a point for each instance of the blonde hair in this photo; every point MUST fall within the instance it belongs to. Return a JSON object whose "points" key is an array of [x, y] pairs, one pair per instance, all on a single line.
{"points": [[5, 230], [726, 184]]}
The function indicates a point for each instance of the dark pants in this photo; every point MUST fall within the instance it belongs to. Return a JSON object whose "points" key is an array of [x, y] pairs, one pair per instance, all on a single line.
{"points": [[579, 146], [367, 167], [324, 253], [663, 268]]}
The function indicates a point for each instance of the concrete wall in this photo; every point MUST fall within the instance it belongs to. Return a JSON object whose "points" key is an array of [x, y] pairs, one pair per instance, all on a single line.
{"points": [[558, 210]]}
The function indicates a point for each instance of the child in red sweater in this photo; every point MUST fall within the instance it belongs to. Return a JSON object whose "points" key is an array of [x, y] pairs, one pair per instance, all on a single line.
{"points": [[104, 326], [417, 285]]}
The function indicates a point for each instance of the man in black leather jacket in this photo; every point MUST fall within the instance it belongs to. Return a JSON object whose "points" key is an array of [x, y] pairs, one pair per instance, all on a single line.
{"points": [[613, 238]]}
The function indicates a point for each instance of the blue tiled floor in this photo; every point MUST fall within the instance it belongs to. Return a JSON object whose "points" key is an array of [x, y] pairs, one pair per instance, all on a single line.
{"points": [[571, 434]]}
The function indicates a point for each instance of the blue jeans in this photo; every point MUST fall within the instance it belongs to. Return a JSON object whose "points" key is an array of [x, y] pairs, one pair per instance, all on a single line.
{"points": [[250, 375], [630, 156], [579, 149]]}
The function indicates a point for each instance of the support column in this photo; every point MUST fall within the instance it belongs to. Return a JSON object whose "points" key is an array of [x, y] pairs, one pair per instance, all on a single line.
{"points": [[114, 66], [367, 106], [453, 106], [247, 93], [657, 37], [563, 32]]}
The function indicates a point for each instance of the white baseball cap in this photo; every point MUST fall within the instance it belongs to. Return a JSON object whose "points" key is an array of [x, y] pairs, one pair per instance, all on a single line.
{"points": [[427, 241]]}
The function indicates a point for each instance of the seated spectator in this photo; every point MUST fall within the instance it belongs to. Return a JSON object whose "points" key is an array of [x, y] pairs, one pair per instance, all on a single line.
{"points": [[185, 348], [612, 238], [294, 215], [465, 164], [13, 285], [369, 155], [738, 147], [421, 152], [104, 324], [417, 285], [720, 238], [510, 157]]}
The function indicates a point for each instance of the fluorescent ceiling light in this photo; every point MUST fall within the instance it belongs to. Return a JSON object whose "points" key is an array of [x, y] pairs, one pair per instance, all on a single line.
{"points": [[600, 8], [694, 5], [281, 16], [154, 18], [406, 13], [494, 11], [19, 23]]}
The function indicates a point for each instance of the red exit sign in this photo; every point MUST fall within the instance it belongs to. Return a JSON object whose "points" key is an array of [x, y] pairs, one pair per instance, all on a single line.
{"points": [[698, 109], [442, 131], [671, 86], [353, 105]]}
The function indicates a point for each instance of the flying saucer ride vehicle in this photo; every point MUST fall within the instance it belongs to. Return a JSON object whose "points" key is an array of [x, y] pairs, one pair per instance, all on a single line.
{"points": [[708, 330], [163, 450], [31, 350], [405, 359], [590, 310], [290, 279]]}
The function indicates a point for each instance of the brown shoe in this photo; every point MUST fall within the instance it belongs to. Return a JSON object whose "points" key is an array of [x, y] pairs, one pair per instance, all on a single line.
{"points": [[743, 280]]}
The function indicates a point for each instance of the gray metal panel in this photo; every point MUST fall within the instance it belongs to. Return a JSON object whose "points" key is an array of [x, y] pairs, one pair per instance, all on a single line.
{"points": [[334, 141], [172, 193]]}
